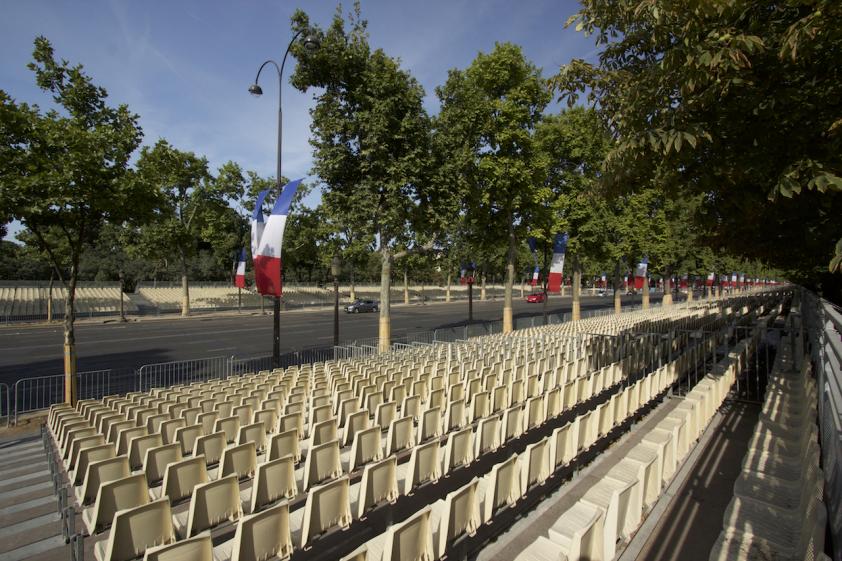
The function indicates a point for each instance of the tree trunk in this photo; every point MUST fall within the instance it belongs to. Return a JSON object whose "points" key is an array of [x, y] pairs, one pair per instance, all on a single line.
{"points": [[522, 287], [618, 295], [645, 302], [577, 290], [667, 301], [447, 293], [482, 287], [508, 324], [353, 286], [70, 382], [385, 328], [185, 289], [405, 287]]}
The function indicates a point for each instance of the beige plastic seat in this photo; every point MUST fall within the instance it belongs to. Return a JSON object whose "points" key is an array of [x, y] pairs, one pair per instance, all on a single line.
{"points": [[261, 536], [322, 463], [662, 441], [169, 428], [459, 449], [614, 498], [197, 548], [354, 423], [255, 433], [210, 446], [563, 445], [411, 407], [579, 532], [207, 420], [411, 539], [542, 549], [269, 418], [230, 426], [138, 447], [87, 456], [424, 465], [292, 421], [76, 440], [124, 438], [535, 414], [534, 465], [180, 478], [211, 504], [285, 444], [273, 481], [429, 426], [454, 415], [401, 435], [99, 473], [119, 494], [187, 436], [239, 460], [327, 506], [512, 423], [157, 459], [499, 488], [455, 515], [367, 447], [648, 458], [488, 435], [323, 431], [386, 413], [379, 483], [135, 530]]}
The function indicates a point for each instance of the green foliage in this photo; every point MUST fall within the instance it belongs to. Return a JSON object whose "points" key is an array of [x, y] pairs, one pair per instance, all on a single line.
{"points": [[737, 101]]}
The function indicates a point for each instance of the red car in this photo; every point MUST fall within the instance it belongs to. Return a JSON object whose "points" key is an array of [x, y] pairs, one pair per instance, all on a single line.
{"points": [[536, 297]]}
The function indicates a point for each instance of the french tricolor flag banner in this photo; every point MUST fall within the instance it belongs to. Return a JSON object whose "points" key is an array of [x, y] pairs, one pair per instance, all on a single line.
{"points": [[710, 279], [684, 281], [604, 280], [733, 280], [240, 275], [640, 273], [557, 265], [258, 221], [267, 258], [742, 282], [533, 247]]}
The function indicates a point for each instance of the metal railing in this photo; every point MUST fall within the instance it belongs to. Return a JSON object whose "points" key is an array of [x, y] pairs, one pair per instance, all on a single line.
{"points": [[823, 323], [166, 374], [5, 406]]}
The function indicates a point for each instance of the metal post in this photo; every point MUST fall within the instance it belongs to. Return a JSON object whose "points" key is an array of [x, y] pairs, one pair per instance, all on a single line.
{"points": [[335, 311], [470, 301]]}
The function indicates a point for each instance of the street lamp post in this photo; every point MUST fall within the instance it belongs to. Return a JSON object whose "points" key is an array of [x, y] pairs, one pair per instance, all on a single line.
{"points": [[335, 269], [310, 43]]}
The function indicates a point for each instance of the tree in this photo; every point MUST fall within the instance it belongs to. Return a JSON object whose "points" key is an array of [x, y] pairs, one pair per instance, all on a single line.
{"points": [[572, 147], [737, 101], [64, 172], [488, 115], [370, 136]]}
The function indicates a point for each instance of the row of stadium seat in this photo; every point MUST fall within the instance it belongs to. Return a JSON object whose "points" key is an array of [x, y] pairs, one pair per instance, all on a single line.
{"points": [[777, 509], [28, 301]]}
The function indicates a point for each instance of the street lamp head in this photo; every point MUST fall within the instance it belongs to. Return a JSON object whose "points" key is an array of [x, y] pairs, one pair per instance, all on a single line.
{"points": [[311, 42], [335, 266], [255, 90]]}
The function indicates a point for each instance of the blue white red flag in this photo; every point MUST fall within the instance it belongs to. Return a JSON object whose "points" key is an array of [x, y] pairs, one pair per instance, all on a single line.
{"points": [[711, 278], [640, 273], [240, 275], [533, 247], [267, 258], [258, 221], [557, 265]]}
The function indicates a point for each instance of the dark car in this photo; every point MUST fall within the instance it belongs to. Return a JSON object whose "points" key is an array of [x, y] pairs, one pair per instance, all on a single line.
{"points": [[358, 306], [535, 297]]}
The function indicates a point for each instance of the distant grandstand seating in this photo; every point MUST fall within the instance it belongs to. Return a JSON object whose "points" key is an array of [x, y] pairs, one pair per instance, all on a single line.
{"points": [[22, 301]]}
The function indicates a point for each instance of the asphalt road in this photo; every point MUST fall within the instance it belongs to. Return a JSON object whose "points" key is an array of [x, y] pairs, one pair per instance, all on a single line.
{"points": [[27, 351]]}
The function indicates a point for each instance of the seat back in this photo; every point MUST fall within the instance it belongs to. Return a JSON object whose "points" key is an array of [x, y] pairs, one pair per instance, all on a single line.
{"points": [[197, 548], [230, 426], [454, 414], [91, 454], [186, 436], [239, 460], [327, 506], [255, 433], [102, 472], [535, 466], [125, 437], [120, 494], [411, 539], [430, 424], [210, 446], [400, 435], [138, 447], [323, 462], [213, 503], [273, 481], [385, 413], [503, 487], [366, 447], [459, 449], [424, 465], [157, 459], [563, 445], [264, 535], [488, 435], [355, 422], [208, 421], [169, 428], [182, 476], [285, 444], [323, 431], [137, 529], [460, 516], [379, 483], [512, 423]]}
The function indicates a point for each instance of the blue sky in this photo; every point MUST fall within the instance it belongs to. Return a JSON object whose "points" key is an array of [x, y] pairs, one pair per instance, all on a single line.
{"points": [[185, 66]]}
